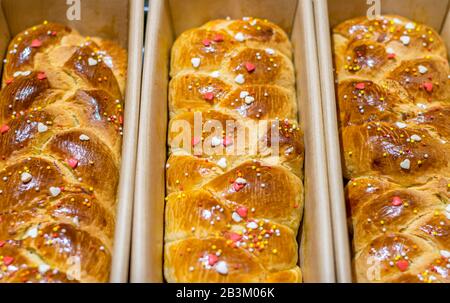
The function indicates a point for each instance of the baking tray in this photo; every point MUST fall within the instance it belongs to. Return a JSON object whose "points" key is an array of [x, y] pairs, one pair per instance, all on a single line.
{"points": [[167, 20], [329, 13], [117, 20]]}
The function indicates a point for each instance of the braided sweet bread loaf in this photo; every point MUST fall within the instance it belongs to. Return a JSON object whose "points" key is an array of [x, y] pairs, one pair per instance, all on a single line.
{"points": [[394, 103], [233, 217], [61, 125]]}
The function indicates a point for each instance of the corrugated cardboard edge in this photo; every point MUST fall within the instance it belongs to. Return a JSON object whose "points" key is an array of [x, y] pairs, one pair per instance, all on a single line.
{"points": [[335, 180], [147, 249], [122, 234], [342, 242], [316, 246], [148, 221]]}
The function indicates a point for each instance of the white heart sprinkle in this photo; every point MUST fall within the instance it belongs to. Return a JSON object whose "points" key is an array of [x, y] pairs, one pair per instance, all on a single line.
{"points": [[249, 100], [31, 233], [239, 37], [92, 62], [222, 267], [447, 208], [76, 221], [405, 40], [108, 61], [43, 268], [55, 191], [215, 74], [195, 62], [390, 51], [84, 137], [401, 125], [270, 51], [447, 215], [410, 26], [206, 214], [240, 181], [416, 138], [422, 69], [236, 218], [243, 94], [252, 225], [445, 254], [239, 79], [406, 164], [216, 141], [222, 163], [42, 127], [25, 177]]}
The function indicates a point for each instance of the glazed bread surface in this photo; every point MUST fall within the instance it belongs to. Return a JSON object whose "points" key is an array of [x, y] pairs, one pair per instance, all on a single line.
{"points": [[233, 217], [61, 125], [393, 92]]}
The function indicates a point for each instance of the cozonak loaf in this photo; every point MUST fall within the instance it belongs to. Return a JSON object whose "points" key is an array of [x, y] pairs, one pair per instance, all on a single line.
{"points": [[393, 96], [233, 217], [60, 143]]}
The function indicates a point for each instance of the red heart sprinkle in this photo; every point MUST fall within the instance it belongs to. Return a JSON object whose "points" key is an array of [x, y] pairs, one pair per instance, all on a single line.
{"points": [[242, 211], [121, 119], [428, 86], [227, 141], [41, 76], [2, 243], [218, 38], [235, 237], [360, 85], [195, 141], [54, 33], [4, 128], [7, 260], [397, 201], [9, 81], [250, 66], [36, 43], [212, 259], [402, 265], [209, 96], [391, 56], [72, 162], [206, 42]]}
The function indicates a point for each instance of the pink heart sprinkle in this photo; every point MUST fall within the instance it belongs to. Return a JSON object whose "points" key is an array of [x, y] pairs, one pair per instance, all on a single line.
{"points": [[212, 259], [237, 187], [7, 260], [4, 128], [402, 265], [242, 211], [428, 86], [235, 237], [397, 201], [227, 141], [209, 96], [218, 38], [36, 43], [41, 76], [72, 162], [360, 85], [206, 42], [250, 67], [195, 141]]}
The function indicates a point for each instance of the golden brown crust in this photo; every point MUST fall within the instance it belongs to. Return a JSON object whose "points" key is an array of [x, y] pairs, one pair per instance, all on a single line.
{"points": [[393, 98], [233, 215], [60, 144]]}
